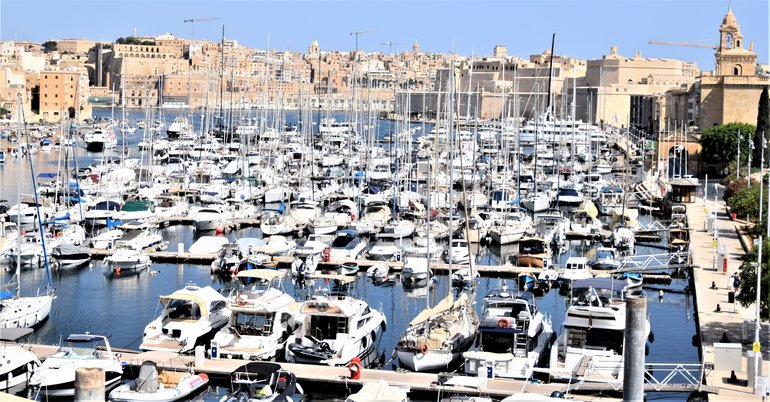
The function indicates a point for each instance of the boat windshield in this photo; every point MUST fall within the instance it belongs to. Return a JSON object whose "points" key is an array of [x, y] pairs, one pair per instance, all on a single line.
{"points": [[605, 255], [75, 353], [254, 324]]}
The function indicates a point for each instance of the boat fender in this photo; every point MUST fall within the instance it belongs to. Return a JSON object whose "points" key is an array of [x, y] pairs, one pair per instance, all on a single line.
{"points": [[327, 254], [355, 368], [503, 323], [424, 348]]}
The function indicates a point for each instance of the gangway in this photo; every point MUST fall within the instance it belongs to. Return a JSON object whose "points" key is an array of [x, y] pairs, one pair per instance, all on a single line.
{"points": [[649, 262]]}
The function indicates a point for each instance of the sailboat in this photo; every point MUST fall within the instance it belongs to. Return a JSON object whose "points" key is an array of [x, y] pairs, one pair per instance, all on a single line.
{"points": [[437, 336], [17, 311]]}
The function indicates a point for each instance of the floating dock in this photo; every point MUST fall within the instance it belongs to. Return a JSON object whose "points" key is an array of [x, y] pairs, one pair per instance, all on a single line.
{"points": [[324, 377]]}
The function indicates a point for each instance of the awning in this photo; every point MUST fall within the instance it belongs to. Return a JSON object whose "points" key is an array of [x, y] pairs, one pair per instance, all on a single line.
{"points": [[264, 274], [202, 305], [335, 277]]}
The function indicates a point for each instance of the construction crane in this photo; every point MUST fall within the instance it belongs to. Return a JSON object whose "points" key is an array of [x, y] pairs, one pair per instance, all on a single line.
{"points": [[357, 34], [687, 44], [192, 22], [390, 44]]}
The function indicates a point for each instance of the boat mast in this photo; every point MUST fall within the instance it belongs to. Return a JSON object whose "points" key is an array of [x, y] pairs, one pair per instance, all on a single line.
{"points": [[450, 111], [37, 205], [18, 204]]}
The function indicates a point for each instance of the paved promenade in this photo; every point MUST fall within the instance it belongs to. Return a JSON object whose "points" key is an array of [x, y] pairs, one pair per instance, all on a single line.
{"points": [[730, 320]]}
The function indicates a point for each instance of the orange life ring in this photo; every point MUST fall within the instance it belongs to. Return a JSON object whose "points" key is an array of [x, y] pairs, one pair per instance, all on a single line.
{"points": [[424, 348], [503, 323]]}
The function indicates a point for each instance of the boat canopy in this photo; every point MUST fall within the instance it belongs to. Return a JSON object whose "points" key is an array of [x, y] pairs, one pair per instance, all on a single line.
{"points": [[336, 277], [196, 295], [264, 274], [599, 283]]}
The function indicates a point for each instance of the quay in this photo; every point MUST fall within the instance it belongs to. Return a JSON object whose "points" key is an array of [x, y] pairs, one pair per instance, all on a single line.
{"points": [[326, 377], [732, 320]]}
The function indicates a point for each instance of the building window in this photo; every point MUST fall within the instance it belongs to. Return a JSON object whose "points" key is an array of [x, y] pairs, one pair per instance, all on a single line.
{"points": [[737, 69]]}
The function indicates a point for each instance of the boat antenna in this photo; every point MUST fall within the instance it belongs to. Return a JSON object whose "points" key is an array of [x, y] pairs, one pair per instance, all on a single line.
{"points": [[37, 201]]}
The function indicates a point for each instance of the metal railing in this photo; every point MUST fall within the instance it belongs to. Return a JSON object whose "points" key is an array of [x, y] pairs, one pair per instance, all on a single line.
{"points": [[688, 374], [661, 377], [654, 261]]}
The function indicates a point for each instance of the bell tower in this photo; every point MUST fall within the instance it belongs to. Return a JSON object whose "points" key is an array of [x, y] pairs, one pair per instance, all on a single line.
{"points": [[731, 57]]}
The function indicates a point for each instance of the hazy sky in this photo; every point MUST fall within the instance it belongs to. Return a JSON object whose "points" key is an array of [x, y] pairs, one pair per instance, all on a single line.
{"points": [[584, 28]]}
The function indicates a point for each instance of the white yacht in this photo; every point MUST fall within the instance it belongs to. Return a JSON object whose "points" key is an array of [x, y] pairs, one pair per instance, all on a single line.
{"points": [[56, 376], [126, 260], [510, 229], [610, 197], [212, 217], [397, 229], [100, 139], [576, 268], [336, 328], [190, 317], [515, 336], [415, 272], [458, 253], [347, 245], [605, 258], [591, 346], [263, 318], [17, 362], [102, 211], [384, 249]]}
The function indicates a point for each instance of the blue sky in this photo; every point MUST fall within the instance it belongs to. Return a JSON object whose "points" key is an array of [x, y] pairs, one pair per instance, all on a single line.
{"points": [[584, 28]]}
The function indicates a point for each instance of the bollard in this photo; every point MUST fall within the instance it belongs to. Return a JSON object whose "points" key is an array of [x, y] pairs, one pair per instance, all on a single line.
{"points": [[633, 349], [89, 384]]}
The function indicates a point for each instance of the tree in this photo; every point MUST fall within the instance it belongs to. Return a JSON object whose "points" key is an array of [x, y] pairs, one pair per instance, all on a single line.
{"points": [[748, 276], [744, 202], [720, 143], [763, 124], [4, 113], [49, 46]]}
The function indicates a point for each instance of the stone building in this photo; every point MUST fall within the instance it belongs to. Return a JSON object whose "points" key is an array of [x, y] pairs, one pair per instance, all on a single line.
{"points": [[60, 90], [731, 92]]}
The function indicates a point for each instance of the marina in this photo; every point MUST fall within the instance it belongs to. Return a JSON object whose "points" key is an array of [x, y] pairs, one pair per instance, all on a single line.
{"points": [[194, 219], [168, 257]]}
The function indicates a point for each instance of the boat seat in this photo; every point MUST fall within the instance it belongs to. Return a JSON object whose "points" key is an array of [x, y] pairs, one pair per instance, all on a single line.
{"points": [[171, 378]]}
